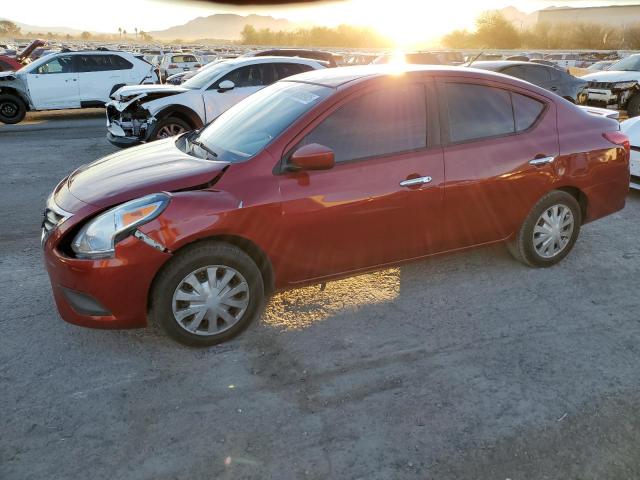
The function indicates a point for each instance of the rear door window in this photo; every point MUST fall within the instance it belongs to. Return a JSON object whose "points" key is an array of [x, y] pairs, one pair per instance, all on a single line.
{"points": [[478, 111], [383, 122], [537, 74]]}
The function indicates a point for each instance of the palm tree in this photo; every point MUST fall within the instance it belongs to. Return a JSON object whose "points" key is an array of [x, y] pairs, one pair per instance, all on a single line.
{"points": [[136, 29], [120, 32]]}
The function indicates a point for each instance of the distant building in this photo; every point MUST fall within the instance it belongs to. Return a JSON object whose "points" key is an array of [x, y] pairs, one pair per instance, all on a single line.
{"points": [[614, 15]]}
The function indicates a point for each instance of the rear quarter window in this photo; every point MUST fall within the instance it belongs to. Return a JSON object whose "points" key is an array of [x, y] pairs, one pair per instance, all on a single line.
{"points": [[526, 111]]}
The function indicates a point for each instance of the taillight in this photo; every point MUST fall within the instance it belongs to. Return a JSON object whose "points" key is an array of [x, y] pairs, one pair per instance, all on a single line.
{"points": [[197, 65], [618, 138], [173, 65]]}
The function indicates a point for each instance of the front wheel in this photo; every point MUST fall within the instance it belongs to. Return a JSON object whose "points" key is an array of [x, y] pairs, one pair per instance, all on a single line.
{"points": [[207, 294], [549, 231], [169, 127], [12, 109]]}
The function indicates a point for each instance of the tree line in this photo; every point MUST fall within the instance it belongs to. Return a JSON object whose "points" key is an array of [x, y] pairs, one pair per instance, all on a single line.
{"points": [[11, 30], [493, 30], [340, 36]]}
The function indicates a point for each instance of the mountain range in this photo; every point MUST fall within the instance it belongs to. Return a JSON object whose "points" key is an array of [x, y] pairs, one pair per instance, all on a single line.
{"points": [[221, 26]]}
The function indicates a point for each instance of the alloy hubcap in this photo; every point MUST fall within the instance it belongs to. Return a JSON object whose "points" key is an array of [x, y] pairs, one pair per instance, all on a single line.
{"points": [[170, 130], [553, 231], [210, 300]]}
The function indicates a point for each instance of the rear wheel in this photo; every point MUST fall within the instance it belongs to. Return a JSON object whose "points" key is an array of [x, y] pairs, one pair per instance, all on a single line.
{"points": [[207, 294], [549, 231], [12, 109], [169, 127]]}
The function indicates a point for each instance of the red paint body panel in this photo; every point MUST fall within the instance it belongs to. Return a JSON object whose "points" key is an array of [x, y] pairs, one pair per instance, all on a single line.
{"points": [[324, 224], [120, 284]]}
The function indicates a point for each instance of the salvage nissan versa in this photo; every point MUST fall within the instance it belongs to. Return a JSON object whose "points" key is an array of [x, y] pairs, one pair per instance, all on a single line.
{"points": [[320, 176]]}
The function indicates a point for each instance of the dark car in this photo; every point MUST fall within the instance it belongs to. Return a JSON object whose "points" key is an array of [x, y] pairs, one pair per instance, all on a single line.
{"points": [[328, 59], [323, 175], [561, 83]]}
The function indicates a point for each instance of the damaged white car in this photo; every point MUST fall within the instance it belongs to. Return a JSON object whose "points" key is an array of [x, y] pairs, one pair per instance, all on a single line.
{"points": [[69, 80], [618, 87], [144, 113]]}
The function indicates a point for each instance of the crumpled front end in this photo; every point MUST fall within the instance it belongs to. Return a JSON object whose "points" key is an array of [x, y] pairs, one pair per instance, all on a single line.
{"points": [[128, 122], [611, 94], [10, 82]]}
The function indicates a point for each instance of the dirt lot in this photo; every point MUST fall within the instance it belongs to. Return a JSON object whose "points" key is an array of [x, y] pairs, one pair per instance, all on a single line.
{"points": [[466, 366]]}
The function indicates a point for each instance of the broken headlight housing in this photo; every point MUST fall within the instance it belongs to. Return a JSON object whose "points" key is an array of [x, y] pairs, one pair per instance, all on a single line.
{"points": [[624, 85], [98, 237]]}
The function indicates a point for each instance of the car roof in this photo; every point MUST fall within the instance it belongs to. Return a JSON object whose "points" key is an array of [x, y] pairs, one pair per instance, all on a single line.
{"points": [[239, 61], [497, 64], [336, 77]]}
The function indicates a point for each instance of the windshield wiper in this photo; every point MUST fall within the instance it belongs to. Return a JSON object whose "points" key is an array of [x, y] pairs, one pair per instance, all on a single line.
{"points": [[198, 143]]}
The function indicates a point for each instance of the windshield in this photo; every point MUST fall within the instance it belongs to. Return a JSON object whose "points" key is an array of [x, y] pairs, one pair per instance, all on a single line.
{"points": [[629, 64], [246, 128], [205, 76]]}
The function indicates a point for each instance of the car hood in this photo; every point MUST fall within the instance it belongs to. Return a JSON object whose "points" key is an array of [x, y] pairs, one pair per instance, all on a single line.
{"points": [[154, 167], [156, 90], [611, 76], [10, 75]]}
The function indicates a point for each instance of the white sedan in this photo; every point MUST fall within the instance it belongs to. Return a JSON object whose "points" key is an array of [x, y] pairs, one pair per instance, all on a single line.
{"points": [[148, 112], [631, 128]]}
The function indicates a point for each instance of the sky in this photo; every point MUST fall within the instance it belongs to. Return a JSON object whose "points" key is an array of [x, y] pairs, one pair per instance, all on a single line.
{"points": [[402, 20]]}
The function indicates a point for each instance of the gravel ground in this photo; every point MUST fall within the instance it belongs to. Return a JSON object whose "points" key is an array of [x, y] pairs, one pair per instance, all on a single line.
{"points": [[468, 366]]}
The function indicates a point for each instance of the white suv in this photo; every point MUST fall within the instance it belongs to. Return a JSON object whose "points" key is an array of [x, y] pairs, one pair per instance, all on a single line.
{"points": [[144, 113], [178, 62], [69, 80]]}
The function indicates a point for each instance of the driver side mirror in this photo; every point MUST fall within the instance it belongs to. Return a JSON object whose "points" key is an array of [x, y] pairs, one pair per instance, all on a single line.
{"points": [[312, 157], [226, 85]]}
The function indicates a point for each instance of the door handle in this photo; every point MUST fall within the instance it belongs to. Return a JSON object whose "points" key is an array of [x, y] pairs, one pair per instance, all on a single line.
{"points": [[411, 182], [541, 161]]}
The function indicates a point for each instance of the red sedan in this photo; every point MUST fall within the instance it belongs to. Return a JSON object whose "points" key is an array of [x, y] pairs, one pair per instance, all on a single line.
{"points": [[320, 176]]}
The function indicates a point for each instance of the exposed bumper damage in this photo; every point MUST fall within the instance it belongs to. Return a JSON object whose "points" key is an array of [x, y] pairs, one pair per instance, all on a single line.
{"points": [[11, 83], [129, 120], [614, 95]]}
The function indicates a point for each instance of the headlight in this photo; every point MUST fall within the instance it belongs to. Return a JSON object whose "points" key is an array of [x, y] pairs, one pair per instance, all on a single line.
{"points": [[624, 85], [98, 237]]}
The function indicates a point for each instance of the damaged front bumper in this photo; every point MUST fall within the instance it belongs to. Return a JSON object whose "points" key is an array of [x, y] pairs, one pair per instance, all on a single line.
{"points": [[128, 122], [611, 95]]}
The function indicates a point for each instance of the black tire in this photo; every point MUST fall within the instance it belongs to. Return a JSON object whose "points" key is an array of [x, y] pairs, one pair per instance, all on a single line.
{"points": [[167, 125], [12, 109], [192, 259], [522, 247], [633, 106]]}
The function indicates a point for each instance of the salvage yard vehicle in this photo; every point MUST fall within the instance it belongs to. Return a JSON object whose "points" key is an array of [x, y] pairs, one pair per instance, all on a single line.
{"points": [[176, 63], [320, 176], [550, 78], [617, 87], [631, 128], [69, 80], [146, 113]]}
